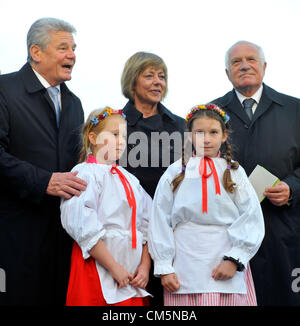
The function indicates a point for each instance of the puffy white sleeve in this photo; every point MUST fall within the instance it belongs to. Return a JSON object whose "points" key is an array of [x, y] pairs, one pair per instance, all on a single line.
{"points": [[146, 211], [79, 214], [160, 237], [246, 232]]}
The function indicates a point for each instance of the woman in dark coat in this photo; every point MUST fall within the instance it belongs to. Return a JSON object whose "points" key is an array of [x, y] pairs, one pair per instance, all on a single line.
{"points": [[154, 133]]}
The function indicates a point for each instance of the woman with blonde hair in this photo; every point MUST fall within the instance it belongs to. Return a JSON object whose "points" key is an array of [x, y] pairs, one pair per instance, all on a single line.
{"points": [[145, 84], [155, 134]]}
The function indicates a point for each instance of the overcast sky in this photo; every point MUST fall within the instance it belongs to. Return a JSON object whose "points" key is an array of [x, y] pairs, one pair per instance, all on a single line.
{"points": [[191, 36]]}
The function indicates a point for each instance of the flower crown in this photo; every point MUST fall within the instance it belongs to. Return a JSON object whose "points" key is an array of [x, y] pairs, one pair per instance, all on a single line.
{"points": [[108, 112], [211, 107]]}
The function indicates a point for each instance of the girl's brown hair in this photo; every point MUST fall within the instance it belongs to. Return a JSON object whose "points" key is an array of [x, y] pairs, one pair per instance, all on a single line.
{"points": [[226, 151]]}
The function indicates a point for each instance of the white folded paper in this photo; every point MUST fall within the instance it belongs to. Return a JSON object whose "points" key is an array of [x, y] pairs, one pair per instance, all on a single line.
{"points": [[261, 179]]}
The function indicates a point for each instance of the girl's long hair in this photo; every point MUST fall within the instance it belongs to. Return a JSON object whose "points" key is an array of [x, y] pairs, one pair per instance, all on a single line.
{"points": [[86, 146], [226, 151]]}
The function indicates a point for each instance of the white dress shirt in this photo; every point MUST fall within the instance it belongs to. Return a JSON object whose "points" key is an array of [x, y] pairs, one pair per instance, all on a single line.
{"points": [[185, 241], [102, 212], [255, 97], [44, 82]]}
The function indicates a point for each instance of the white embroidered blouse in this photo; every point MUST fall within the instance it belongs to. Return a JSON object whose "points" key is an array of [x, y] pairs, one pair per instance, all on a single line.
{"points": [[191, 243], [102, 212]]}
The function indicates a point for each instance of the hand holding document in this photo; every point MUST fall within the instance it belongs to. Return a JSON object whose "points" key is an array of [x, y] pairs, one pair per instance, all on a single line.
{"points": [[261, 179]]}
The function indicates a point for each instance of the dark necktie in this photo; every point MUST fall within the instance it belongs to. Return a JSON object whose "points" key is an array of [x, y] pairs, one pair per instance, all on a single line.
{"points": [[248, 103]]}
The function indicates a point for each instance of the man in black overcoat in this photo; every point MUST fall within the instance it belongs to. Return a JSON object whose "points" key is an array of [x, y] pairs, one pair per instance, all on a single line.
{"points": [[39, 144], [268, 133]]}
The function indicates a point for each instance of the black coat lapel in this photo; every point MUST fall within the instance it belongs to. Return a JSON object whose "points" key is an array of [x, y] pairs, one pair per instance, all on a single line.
{"points": [[33, 85], [267, 98], [234, 105], [263, 105]]}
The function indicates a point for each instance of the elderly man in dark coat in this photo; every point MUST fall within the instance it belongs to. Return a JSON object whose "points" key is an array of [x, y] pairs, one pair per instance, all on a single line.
{"points": [[39, 143], [267, 132]]}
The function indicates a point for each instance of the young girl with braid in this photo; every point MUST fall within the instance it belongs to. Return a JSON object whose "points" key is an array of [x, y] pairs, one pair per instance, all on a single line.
{"points": [[110, 261], [206, 221]]}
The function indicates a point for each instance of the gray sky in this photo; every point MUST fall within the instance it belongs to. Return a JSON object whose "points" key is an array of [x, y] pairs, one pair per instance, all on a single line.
{"points": [[191, 36]]}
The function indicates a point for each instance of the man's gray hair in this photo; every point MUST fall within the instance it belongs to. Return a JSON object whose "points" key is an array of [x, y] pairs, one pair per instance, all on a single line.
{"points": [[260, 50], [39, 32]]}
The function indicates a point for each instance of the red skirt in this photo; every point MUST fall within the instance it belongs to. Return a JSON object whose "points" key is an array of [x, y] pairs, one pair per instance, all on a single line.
{"points": [[84, 287]]}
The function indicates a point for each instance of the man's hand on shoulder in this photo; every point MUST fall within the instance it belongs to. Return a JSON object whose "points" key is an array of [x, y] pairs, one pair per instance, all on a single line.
{"points": [[65, 185]]}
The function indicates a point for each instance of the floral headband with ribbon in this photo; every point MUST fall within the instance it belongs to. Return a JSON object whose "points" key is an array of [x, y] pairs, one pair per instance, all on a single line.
{"points": [[211, 107], [108, 112]]}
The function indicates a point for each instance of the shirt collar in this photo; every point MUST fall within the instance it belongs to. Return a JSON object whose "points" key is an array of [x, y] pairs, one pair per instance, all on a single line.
{"points": [[43, 81], [256, 96]]}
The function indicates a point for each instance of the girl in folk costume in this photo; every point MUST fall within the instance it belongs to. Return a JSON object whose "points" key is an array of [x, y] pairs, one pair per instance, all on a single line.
{"points": [[110, 260], [206, 222]]}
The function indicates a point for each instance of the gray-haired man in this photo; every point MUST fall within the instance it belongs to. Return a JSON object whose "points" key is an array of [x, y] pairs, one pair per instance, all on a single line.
{"points": [[39, 137], [268, 136]]}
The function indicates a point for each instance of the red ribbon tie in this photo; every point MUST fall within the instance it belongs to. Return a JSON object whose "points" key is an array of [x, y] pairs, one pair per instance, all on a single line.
{"points": [[131, 201], [203, 172]]}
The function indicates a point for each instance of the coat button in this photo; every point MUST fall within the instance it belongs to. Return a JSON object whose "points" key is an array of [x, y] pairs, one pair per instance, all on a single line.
{"points": [[246, 126]]}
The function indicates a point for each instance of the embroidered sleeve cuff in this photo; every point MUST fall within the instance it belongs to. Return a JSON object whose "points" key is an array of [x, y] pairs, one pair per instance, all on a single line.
{"points": [[239, 266], [88, 244], [238, 255], [163, 267]]}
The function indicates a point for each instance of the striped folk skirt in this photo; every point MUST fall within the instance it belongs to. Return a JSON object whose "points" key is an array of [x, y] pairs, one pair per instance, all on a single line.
{"points": [[213, 298]]}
